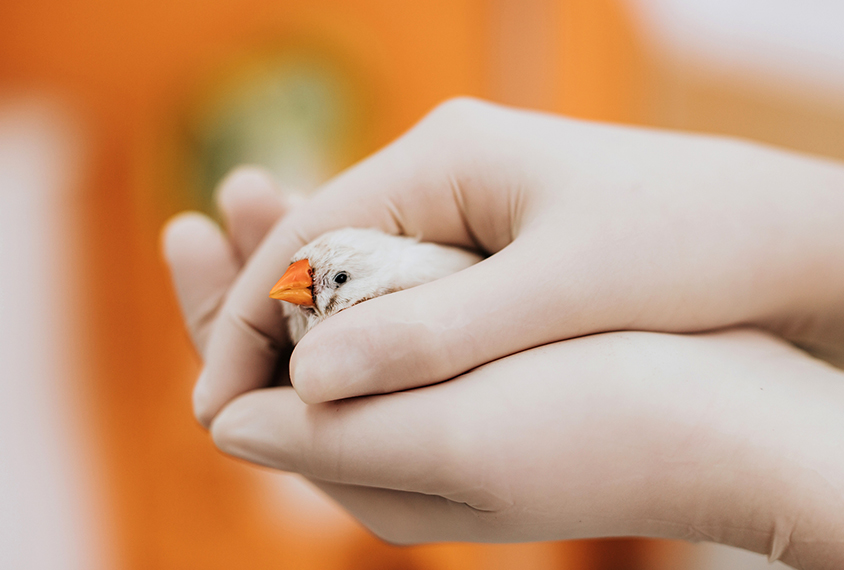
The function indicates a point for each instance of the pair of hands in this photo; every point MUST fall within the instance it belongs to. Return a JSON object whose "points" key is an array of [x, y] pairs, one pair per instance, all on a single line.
{"points": [[720, 436]]}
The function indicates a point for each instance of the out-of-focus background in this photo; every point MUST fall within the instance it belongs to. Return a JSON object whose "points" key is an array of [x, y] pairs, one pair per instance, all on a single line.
{"points": [[116, 115]]}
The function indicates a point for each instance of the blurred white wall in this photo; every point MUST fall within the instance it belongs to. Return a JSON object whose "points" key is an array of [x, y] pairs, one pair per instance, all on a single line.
{"points": [[47, 500], [787, 45]]}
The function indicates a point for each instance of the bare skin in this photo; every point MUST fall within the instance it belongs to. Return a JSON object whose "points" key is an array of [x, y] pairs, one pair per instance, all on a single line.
{"points": [[720, 436]]}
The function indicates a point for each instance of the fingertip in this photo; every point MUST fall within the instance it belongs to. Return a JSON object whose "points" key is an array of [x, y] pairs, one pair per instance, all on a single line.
{"points": [[417, 337], [185, 232], [251, 204], [222, 429], [302, 378], [233, 431], [332, 362], [246, 184], [260, 427]]}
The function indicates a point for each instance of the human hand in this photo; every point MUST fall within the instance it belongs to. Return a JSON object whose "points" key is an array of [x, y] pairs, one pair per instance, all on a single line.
{"points": [[591, 228], [718, 437]]}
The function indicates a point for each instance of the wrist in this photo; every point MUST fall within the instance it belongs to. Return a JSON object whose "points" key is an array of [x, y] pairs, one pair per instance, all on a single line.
{"points": [[776, 481]]}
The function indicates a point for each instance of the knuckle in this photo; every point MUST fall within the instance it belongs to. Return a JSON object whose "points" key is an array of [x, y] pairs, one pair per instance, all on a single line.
{"points": [[452, 136], [456, 116], [458, 107]]}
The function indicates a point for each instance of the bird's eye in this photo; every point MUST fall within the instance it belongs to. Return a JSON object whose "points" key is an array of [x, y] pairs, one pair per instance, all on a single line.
{"points": [[341, 278]]}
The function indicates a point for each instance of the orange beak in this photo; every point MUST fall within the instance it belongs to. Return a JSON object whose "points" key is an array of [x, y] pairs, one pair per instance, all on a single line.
{"points": [[295, 285]]}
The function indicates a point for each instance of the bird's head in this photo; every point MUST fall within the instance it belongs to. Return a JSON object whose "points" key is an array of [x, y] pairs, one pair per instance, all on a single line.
{"points": [[338, 270]]}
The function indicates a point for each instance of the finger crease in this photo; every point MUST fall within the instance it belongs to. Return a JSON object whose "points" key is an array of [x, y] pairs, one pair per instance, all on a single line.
{"points": [[396, 217], [270, 343], [516, 205], [457, 194], [206, 313]]}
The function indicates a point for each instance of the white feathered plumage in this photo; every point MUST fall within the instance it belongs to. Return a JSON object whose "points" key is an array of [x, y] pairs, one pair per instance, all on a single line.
{"points": [[345, 267]]}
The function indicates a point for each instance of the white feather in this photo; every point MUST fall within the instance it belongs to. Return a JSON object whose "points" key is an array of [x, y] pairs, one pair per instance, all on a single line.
{"points": [[375, 264]]}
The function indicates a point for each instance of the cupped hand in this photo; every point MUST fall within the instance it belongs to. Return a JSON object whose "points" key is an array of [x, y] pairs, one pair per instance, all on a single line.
{"points": [[589, 228], [720, 437]]}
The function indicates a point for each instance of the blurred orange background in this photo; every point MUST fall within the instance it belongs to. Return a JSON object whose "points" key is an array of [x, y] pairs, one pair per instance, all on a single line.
{"points": [[164, 97]]}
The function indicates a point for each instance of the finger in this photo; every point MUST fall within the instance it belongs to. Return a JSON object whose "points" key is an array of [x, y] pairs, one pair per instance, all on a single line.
{"points": [[202, 265], [416, 186], [251, 204], [433, 332], [423, 450], [203, 262], [444, 439]]}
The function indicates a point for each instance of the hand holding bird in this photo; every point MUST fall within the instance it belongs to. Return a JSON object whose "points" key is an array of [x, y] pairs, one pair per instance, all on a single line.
{"points": [[586, 228], [605, 435]]}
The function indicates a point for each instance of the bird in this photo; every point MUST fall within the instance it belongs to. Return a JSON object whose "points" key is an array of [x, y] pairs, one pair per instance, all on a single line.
{"points": [[345, 267]]}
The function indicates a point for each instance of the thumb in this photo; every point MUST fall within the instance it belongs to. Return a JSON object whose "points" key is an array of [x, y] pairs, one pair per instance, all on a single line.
{"points": [[427, 334]]}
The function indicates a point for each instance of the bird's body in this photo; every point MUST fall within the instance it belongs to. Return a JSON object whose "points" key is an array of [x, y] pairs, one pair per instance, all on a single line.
{"points": [[345, 267]]}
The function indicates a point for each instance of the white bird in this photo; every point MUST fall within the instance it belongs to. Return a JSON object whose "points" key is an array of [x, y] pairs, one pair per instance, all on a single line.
{"points": [[345, 267]]}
